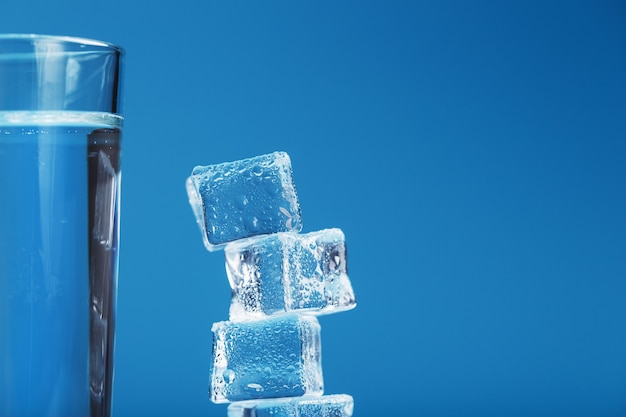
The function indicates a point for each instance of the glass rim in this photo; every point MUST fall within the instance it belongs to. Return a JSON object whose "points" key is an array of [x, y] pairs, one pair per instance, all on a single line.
{"points": [[52, 117], [62, 39]]}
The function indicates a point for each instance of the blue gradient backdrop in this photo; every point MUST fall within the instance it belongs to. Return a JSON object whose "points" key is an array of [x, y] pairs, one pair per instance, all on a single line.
{"points": [[472, 152]]}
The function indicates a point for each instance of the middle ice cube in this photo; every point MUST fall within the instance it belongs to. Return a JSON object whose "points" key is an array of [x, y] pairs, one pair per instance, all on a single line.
{"points": [[289, 272], [270, 358]]}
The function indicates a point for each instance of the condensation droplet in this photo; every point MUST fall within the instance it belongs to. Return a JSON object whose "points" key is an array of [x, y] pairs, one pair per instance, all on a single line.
{"points": [[255, 386], [229, 376], [257, 170]]}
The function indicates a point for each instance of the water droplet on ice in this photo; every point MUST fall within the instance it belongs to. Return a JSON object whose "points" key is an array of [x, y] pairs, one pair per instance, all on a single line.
{"points": [[241, 201], [256, 170], [229, 376], [255, 386]]}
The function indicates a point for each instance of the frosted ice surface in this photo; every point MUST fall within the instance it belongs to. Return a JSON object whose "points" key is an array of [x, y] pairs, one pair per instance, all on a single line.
{"points": [[289, 272], [270, 358], [337, 405], [248, 197]]}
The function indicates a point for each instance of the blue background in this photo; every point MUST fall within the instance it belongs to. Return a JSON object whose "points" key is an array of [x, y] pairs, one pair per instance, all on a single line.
{"points": [[472, 152]]}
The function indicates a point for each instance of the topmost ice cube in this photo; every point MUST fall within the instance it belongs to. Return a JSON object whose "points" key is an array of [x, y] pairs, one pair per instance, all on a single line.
{"points": [[240, 199]]}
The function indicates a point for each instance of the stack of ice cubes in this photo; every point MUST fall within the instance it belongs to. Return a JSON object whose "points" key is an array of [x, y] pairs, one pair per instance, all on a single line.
{"points": [[267, 356]]}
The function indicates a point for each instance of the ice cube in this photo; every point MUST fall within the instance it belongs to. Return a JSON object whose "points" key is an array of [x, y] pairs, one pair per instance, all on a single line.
{"points": [[336, 405], [289, 272], [249, 197], [270, 358]]}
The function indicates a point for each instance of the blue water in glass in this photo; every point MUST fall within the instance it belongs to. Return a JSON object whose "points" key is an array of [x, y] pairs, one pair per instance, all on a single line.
{"points": [[50, 362]]}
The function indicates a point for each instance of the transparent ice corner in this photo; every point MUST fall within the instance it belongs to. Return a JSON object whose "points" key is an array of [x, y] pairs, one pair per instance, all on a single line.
{"points": [[244, 198], [289, 272], [195, 201]]}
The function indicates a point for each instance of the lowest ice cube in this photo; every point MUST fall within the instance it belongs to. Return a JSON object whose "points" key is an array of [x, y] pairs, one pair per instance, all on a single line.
{"points": [[275, 357], [289, 272], [248, 197], [337, 405]]}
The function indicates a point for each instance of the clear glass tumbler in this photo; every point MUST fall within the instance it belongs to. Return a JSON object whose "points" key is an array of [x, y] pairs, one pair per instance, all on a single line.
{"points": [[60, 132]]}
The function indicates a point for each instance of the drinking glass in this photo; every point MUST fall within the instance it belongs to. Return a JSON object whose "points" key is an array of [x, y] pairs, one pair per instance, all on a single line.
{"points": [[60, 132]]}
